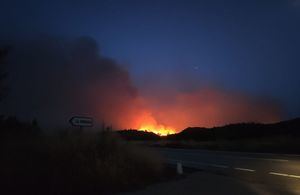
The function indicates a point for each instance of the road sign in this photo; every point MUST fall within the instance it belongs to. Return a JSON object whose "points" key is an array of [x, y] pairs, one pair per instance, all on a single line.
{"points": [[81, 121]]}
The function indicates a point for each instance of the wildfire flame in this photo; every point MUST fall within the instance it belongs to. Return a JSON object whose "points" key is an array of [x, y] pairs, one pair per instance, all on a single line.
{"points": [[148, 123], [160, 130]]}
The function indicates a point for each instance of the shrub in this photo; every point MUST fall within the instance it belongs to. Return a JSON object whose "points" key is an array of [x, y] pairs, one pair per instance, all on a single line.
{"points": [[77, 163]]}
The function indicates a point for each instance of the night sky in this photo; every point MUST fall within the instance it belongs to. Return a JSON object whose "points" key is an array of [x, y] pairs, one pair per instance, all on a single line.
{"points": [[169, 47]]}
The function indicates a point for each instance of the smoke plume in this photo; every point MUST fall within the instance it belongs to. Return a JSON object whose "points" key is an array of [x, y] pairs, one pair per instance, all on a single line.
{"points": [[52, 79]]}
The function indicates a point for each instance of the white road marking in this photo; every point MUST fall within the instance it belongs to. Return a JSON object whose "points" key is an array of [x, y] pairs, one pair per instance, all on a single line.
{"points": [[285, 175], [236, 168], [269, 159], [230, 152], [199, 163], [234, 156], [242, 157], [244, 169]]}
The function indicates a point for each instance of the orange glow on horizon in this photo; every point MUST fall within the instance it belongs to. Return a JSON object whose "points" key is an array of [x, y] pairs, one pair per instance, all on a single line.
{"points": [[200, 108], [147, 122], [160, 130]]}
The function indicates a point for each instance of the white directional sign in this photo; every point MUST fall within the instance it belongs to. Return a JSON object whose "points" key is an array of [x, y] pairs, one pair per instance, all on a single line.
{"points": [[80, 121]]}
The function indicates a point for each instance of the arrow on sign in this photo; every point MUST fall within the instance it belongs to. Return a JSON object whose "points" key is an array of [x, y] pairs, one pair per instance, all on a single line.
{"points": [[80, 121]]}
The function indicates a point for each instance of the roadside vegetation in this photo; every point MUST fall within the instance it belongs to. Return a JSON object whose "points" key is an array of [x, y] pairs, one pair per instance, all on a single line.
{"points": [[71, 162]]}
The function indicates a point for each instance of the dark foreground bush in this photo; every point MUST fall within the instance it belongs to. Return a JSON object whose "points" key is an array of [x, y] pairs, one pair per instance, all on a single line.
{"points": [[75, 164]]}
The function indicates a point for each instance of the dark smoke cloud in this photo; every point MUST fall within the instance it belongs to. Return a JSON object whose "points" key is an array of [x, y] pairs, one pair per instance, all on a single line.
{"points": [[52, 79]]}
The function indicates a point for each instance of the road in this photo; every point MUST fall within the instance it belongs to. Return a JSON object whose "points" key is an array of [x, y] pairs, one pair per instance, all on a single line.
{"points": [[280, 173]]}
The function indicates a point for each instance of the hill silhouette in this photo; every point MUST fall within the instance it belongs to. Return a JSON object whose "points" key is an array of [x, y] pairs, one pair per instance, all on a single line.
{"points": [[240, 131], [136, 135]]}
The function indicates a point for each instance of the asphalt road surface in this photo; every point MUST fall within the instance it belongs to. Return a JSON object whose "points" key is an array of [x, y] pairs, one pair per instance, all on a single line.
{"points": [[278, 172]]}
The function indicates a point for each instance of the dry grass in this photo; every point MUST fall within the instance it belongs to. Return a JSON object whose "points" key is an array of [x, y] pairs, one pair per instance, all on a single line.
{"points": [[90, 163]]}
